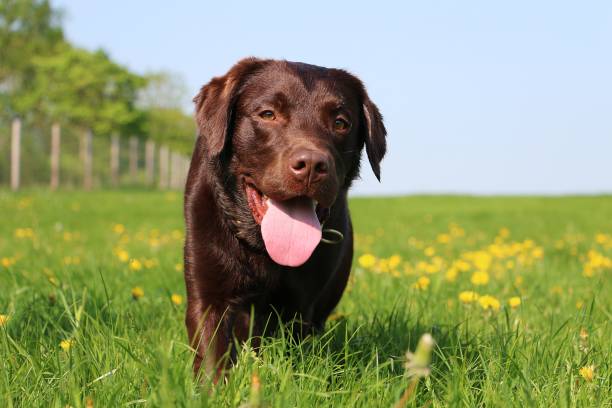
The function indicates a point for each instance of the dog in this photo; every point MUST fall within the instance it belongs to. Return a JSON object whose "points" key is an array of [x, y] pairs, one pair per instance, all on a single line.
{"points": [[279, 144]]}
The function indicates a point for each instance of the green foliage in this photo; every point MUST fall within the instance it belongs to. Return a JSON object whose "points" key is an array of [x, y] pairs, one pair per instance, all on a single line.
{"points": [[85, 89], [71, 276], [28, 28], [44, 79]]}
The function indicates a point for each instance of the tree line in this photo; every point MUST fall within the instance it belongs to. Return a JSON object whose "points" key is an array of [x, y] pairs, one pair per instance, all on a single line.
{"points": [[46, 80]]}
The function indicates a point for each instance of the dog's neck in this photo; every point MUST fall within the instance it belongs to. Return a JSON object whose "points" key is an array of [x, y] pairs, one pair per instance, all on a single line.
{"points": [[233, 207]]}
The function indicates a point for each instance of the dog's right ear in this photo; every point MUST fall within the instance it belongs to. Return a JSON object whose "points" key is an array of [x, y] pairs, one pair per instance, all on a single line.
{"points": [[214, 106]]}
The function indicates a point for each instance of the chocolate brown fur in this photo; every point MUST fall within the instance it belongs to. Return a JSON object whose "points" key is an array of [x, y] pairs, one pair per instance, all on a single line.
{"points": [[227, 270]]}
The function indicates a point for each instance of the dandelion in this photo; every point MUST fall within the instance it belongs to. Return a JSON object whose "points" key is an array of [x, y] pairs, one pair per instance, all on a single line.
{"points": [[514, 302], [7, 262], [422, 283], [451, 274], [417, 366], [3, 320], [394, 261], [118, 229], [135, 265], [137, 292], [66, 344], [579, 304], [537, 253], [178, 267], [443, 238], [176, 299], [429, 251], [587, 372], [122, 254], [556, 290], [489, 302], [504, 232], [468, 296], [367, 261], [480, 278]]}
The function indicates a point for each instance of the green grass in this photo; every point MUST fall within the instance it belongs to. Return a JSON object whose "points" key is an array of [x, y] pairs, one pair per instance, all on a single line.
{"points": [[63, 280]]}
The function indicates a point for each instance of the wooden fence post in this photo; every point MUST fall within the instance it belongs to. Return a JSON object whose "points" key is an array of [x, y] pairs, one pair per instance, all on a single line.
{"points": [[55, 155], [150, 162], [133, 158], [86, 157], [173, 170], [114, 160], [15, 153], [163, 167]]}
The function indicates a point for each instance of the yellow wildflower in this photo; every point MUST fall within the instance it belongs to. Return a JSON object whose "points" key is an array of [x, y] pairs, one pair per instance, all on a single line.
{"points": [[480, 278], [394, 261], [179, 267], [429, 251], [176, 299], [137, 292], [518, 281], [367, 261], [601, 238], [422, 283], [7, 262], [443, 238], [489, 302], [135, 265], [514, 302], [66, 344], [451, 274], [3, 320], [537, 253], [504, 232], [462, 265], [118, 228], [556, 290], [123, 255], [468, 296], [587, 372], [579, 304]]}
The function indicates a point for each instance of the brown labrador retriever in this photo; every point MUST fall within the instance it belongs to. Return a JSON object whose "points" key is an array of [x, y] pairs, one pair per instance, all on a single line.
{"points": [[278, 148]]}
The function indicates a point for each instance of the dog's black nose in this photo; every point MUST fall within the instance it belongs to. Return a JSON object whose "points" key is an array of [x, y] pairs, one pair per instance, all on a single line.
{"points": [[309, 166]]}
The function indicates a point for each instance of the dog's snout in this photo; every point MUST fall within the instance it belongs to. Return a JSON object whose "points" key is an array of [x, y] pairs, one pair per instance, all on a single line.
{"points": [[309, 166]]}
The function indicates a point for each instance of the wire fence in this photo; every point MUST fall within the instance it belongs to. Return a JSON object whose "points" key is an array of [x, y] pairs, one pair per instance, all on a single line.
{"points": [[65, 157]]}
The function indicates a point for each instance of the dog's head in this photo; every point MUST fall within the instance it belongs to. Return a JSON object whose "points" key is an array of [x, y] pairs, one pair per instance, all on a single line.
{"points": [[289, 135]]}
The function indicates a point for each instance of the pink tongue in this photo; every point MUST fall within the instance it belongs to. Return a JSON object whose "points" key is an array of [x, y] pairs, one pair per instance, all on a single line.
{"points": [[291, 230]]}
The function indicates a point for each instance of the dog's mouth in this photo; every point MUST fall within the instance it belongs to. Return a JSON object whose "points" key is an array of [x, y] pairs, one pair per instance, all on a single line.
{"points": [[291, 227]]}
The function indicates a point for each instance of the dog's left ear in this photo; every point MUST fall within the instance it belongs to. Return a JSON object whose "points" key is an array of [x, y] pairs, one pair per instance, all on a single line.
{"points": [[214, 106], [375, 134]]}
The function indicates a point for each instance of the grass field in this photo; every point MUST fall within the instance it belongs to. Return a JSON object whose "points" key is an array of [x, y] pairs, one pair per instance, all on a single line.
{"points": [[515, 291]]}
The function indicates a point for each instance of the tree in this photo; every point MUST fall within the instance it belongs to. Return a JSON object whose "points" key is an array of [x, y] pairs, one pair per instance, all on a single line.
{"points": [[85, 89], [165, 122], [28, 28]]}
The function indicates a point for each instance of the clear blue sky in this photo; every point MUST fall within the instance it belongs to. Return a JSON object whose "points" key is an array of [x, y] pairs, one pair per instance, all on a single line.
{"points": [[478, 96]]}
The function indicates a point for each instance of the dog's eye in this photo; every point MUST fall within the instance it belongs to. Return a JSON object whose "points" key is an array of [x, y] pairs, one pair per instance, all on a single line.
{"points": [[340, 125], [267, 115]]}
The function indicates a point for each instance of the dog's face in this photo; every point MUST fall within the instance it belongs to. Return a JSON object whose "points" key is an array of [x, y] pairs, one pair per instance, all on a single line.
{"points": [[290, 133]]}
